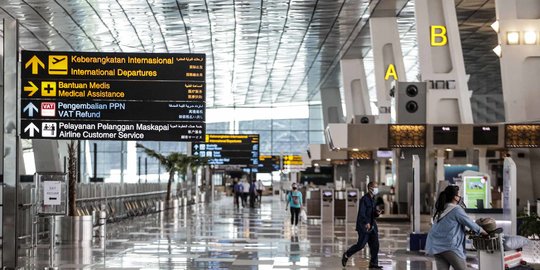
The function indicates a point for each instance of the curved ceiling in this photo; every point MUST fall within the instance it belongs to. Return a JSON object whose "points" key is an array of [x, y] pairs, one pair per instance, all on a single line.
{"points": [[258, 52]]}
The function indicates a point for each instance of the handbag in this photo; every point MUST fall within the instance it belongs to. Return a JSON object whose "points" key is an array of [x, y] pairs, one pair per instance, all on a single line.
{"points": [[303, 216]]}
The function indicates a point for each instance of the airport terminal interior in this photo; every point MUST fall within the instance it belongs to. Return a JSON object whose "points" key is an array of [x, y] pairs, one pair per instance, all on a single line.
{"points": [[271, 134]]}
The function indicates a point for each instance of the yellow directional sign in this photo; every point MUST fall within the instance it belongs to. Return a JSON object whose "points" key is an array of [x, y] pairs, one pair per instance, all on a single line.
{"points": [[58, 64], [35, 63], [32, 89], [48, 89]]}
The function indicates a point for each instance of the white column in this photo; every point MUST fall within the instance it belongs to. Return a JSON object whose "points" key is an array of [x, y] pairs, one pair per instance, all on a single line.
{"points": [[441, 59], [355, 88], [388, 60], [131, 166], [331, 106], [520, 65], [48, 156], [440, 167]]}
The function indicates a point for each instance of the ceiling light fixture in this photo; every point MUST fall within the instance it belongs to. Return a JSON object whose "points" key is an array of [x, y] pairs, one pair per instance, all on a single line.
{"points": [[512, 38], [498, 51], [495, 26], [529, 38]]}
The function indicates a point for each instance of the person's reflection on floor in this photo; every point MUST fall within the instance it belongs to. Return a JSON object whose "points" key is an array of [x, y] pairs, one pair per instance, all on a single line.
{"points": [[294, 251]]}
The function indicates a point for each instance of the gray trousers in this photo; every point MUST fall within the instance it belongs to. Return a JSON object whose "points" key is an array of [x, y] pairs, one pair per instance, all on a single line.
{"points": [[448, 258]]}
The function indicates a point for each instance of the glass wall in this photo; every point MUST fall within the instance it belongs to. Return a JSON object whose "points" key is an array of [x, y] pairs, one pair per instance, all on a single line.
{"points": [[122, 161]]}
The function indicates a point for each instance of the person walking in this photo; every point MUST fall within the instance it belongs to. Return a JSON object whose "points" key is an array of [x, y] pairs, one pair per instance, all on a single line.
{"points": [[294, 199], [260, 189], [238, 190], [366, 228], [245, 192], [446, 239], [252, 194]]}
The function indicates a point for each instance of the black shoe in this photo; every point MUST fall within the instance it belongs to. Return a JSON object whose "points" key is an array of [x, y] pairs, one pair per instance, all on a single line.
{"points": [[344, 259], [375, 267]]}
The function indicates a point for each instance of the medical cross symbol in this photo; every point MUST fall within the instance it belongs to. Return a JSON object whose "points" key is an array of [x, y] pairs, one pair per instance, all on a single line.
{"points": [[48, 88]]}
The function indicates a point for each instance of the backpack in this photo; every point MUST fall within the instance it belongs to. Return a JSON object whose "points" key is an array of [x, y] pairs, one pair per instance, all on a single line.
{"points": [[238, 188], [295, 198]]}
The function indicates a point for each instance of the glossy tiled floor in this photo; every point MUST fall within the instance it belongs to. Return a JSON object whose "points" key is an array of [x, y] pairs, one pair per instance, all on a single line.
{"points": [[218, 236]]}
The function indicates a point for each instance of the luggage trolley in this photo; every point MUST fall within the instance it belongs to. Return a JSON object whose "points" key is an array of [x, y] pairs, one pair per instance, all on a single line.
{"points": [[491, 253]]}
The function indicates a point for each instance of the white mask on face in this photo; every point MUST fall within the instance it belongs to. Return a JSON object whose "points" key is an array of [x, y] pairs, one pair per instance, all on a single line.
{"points": [[375, 191]]}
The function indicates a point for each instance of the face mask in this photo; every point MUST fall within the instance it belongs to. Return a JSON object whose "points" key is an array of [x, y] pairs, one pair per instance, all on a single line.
{"points": [[294, 188], [375, 191]]}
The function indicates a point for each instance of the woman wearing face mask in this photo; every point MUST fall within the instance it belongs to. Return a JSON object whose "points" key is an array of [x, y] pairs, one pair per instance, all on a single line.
{"points": [[446, 239], [294, 199], [366, 228]]}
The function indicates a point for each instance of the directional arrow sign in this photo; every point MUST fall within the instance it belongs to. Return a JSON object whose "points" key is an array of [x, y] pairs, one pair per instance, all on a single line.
{"points": [[31, 128], [32, 89], [30, 108], [35, 63]]}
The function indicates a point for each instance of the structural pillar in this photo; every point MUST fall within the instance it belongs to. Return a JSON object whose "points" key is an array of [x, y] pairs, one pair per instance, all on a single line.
{"points": [[331, 106], [441, 63], [355, 87], [10, 145], [519, 27], [388, 61]]}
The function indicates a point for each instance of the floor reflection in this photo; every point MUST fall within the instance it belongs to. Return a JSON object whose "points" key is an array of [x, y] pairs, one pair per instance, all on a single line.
{"points": [[218, 236]]}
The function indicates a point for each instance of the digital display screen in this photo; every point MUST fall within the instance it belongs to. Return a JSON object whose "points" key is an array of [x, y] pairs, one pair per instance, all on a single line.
{"points": [[268, 164], [327, 193], [485, 135], [352, 194], [229, 149], [384, 153], [445, 135]]}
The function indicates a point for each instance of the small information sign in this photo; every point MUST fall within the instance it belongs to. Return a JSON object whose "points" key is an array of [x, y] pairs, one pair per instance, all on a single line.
{"points": [[52, 193]]}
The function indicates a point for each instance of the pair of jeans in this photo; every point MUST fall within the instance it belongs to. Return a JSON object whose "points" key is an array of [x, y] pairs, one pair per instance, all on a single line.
{"points": [[367, 237], [295, 212], [448, 258]]}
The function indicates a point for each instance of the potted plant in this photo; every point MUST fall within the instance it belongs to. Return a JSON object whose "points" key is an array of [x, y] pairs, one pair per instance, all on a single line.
{"points": [[530, 228], [173, 163], [73, 228]]}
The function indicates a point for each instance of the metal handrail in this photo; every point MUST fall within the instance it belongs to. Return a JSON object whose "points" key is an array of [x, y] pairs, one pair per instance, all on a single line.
{"points": [[122, 196]]}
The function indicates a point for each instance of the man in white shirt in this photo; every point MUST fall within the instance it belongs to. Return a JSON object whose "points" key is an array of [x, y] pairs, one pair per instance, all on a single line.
{"points": [[245, 192]]}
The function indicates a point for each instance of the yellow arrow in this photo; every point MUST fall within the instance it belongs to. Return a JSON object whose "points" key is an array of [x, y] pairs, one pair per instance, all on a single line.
{"points": [[35, 63], [32, 89]]}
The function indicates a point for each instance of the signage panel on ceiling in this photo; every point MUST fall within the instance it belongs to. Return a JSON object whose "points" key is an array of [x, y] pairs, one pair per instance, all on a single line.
{"points": [[117, 130], [229, 149], [161, 95], [119, 66]]}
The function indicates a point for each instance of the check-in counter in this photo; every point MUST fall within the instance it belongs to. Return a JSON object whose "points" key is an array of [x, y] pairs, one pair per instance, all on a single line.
{"points": [[340, 204], [313, 202]]}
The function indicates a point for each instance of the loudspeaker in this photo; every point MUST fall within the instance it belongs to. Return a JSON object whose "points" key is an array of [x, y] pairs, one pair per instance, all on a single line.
{"points": [[411, 99], [364, 119]]}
